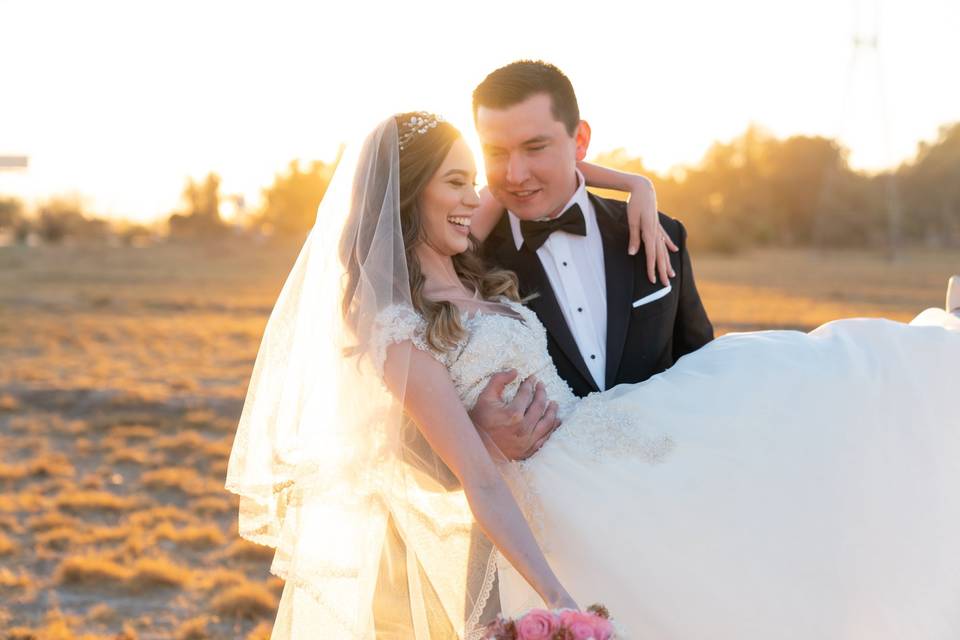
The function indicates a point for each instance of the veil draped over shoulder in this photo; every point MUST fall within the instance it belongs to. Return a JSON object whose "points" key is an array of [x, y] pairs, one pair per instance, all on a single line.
{"points": [[364, 516]]}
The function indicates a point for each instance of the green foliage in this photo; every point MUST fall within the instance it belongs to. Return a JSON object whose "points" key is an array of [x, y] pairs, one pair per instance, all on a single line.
{"points": [[13, 220], [290, 204], [11, 212], [200, 218], [63, 217], [931, 186], [761, 190]]}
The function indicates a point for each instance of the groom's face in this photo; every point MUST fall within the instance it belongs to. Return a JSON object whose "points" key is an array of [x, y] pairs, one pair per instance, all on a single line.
{"points": [[530, 157]]}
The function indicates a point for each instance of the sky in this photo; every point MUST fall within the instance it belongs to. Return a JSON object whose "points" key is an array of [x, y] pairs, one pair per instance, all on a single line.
{"points": [[119, 102]]}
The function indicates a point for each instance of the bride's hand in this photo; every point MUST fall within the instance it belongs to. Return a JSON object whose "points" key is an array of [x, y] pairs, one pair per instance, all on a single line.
{"points": [[643, 219], [644, 223]]}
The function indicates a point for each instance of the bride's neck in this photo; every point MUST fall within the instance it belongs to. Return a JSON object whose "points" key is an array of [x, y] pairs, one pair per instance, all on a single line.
{"points": [[439, 273]]}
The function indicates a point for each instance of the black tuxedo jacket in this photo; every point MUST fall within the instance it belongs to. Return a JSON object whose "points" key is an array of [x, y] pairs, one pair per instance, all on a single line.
{"points": [[641, 341]]}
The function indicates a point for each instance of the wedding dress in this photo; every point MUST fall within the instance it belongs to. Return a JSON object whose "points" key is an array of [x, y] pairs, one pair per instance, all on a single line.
{"points": [[773, 484], [769, 485]]}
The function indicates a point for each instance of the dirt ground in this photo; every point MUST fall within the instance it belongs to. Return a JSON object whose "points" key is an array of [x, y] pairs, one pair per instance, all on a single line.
{"points": [[122, 376]]}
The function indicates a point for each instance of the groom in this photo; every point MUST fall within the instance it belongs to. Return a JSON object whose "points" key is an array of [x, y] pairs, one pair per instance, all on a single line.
{"points": [[606, 323]]}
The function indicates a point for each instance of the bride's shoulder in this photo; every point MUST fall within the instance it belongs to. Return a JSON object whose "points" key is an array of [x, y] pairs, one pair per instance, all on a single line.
{"points": [[400, 323], [398, 315]]}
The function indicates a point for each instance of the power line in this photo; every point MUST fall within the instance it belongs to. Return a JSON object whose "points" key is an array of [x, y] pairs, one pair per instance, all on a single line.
{"points": [[865, 55]]}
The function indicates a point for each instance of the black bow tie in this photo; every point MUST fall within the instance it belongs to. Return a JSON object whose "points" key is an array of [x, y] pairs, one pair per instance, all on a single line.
{"points": [[536, 233]]}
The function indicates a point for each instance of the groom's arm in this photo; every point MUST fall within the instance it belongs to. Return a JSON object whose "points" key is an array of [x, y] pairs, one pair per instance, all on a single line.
{"points": [[692, 328], [518, 427]]}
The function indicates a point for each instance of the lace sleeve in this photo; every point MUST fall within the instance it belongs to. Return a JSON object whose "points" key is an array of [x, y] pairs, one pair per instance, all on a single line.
{"points": [[397, 323]]}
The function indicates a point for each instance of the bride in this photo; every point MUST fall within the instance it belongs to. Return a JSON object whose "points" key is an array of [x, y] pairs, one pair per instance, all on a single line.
{"points": [[769, 485]]}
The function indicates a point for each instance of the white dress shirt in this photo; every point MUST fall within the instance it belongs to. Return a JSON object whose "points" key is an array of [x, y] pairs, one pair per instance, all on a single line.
{"points": [[574, 267]]}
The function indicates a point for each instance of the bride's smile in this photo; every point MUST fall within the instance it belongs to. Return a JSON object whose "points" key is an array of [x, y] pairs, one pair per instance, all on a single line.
{"points": [[449, 201]]}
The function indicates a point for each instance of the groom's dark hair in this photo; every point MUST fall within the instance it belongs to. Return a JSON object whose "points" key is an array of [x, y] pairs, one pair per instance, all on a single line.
{"points": [[519, 80]]}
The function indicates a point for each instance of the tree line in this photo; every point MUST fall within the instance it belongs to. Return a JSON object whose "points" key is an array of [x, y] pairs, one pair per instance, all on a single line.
{"points": [[754, 190], [759, 190]]}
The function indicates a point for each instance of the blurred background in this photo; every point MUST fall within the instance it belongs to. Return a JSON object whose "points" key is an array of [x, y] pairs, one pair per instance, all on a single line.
{"points": [[161, 163]]}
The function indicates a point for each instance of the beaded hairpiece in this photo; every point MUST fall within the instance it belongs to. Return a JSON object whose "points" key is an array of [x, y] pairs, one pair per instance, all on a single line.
{"points": [[418, 124]]}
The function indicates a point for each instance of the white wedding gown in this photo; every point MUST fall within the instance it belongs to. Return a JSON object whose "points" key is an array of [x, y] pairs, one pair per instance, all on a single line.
{"points": [[771, 485]]}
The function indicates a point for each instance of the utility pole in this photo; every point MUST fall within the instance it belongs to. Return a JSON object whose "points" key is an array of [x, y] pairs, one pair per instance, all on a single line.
{"points": [[866, 59]]}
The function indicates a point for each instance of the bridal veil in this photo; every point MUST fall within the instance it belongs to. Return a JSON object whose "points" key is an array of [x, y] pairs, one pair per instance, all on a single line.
{"points": [[362, 514]]}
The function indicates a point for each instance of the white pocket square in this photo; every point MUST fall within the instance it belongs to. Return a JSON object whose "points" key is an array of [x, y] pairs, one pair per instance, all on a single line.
{"points": [[656, 295]]}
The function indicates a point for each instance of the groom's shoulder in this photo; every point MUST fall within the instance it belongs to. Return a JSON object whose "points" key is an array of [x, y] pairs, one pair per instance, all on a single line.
{"points": [[618, 210], [497, 240]]}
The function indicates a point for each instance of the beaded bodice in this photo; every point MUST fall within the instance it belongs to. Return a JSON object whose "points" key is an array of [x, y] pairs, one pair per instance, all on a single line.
{"points": [[596, 426], [494, 342]]}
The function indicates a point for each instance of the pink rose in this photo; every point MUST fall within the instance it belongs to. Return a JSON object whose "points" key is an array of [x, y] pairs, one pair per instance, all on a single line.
{"points": [[581, 625], [602, 629], [537, 624]]}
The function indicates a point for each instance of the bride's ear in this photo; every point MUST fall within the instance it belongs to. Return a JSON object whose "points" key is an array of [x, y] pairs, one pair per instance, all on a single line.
{"points": [[582, 138]]}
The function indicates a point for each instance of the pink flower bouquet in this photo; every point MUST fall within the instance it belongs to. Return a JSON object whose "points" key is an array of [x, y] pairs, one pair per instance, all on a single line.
{"points": [[563, 624]]}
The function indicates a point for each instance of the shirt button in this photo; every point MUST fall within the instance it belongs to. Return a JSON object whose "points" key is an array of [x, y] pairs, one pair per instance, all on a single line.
{"points": [[580, 309], [564, 264], [593, 357]]}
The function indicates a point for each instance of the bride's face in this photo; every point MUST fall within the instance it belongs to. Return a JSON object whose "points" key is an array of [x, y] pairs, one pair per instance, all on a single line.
{"points": [[449, 200]]}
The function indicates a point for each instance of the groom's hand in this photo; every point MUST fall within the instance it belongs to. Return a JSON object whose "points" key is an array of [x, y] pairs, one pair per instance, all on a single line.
{"points": [[519, 427]]}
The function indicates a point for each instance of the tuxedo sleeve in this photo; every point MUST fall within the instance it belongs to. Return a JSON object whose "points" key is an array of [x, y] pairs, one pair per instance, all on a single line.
{"points": [[692, 328]]}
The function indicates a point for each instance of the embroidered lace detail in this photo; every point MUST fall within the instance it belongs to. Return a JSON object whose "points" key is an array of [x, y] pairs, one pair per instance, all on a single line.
{"points": [[597, 430], [318, 589], [600, 430], [473, 631], [256, 517], [497, 343], [493, 342], [397, 323]]}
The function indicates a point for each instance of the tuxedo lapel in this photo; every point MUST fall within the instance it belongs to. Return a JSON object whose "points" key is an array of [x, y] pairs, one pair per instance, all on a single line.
{"points": [[533, 279], [618, 269]]}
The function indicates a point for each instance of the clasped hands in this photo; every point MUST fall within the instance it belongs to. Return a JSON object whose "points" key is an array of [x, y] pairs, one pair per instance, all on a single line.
{"points": [[519, 427]]}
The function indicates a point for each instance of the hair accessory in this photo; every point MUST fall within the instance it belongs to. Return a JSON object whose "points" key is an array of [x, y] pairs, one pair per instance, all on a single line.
{"points": [[418, 124]]}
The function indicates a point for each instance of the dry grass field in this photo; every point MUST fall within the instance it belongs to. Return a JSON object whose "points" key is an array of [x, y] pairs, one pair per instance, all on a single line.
{"points": [[122, 375]]}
